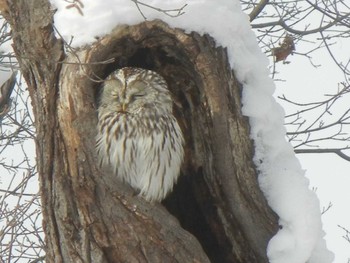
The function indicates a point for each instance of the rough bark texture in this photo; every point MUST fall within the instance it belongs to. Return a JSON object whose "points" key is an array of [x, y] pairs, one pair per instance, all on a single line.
{"points": [[90, 217]]}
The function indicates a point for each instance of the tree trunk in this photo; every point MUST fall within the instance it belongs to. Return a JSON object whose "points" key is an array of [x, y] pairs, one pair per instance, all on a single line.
{"points": [[221, 213]]}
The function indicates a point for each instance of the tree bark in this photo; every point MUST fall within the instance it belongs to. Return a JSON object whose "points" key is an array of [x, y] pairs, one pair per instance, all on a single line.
{"points": [[90, 216]]}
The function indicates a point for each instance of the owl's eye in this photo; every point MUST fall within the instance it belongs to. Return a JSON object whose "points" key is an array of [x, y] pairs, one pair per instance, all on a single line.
{"points": [[114, 94], [137, 95]]}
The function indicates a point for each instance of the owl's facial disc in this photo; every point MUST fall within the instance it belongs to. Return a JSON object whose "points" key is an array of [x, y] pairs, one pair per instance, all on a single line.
{"points": [[133, 94], [132, 98]]}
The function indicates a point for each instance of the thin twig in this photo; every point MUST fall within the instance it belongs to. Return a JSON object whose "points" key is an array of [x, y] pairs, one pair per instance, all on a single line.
{"points": [[168, 12]]}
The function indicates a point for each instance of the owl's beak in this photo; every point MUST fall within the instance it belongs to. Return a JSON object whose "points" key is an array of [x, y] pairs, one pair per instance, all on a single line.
{"points": [[124, 106]]}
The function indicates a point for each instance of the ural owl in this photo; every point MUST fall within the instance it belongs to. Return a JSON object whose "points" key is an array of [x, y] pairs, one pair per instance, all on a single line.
{"points": [[138, 136]]}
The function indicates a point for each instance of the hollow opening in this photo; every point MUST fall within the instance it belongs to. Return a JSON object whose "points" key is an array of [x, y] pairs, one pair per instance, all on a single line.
{"points": [[190, 202]]}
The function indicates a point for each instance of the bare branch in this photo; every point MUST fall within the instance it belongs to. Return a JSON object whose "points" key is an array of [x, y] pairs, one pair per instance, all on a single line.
{"points": [[257, 9], [169, 12], [326, 209], [335, 151], [77, 4], [283, 24], [347, 233]]}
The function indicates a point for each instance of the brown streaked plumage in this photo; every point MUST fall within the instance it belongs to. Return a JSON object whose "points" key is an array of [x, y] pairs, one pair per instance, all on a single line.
{"points": [[138, 136]]}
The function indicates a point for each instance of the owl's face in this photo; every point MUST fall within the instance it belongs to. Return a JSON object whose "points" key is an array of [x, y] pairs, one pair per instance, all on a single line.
{"points": [[135, 91]]}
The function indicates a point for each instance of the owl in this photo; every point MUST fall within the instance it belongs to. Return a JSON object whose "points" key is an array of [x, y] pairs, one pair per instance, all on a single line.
{"points": [[138, 136]]}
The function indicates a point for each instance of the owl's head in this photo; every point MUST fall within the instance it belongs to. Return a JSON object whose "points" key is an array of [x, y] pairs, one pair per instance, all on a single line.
{"points": [[134, 91]]}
